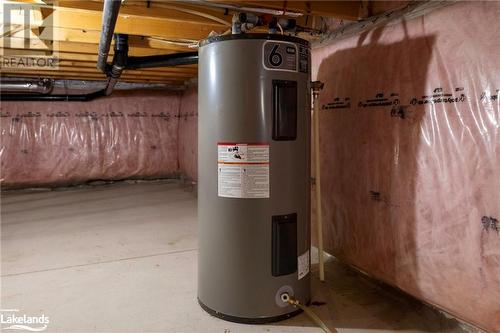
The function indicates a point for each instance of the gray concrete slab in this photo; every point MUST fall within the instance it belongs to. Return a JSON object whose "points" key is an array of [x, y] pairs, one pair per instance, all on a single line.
{"points": [[123, 258]]}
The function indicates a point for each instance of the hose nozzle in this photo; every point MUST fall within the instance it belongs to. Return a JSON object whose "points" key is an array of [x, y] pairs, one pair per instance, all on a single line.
{"points": [[286, 298]]}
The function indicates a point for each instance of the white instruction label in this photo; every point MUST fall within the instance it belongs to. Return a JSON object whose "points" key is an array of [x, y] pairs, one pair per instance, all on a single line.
{"points": [[303, 264], [243, 170]]}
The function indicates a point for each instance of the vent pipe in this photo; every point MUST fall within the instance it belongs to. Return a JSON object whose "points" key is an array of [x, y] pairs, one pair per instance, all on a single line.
{"points": [[119, 61], [109, 17]]}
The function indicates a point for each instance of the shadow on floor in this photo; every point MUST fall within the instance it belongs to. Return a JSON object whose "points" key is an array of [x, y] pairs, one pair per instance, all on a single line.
{"points": [[349, 300]]}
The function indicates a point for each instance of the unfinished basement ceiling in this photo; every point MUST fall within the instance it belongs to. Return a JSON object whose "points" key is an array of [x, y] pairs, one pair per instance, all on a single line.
{"points": [[73, 28]]}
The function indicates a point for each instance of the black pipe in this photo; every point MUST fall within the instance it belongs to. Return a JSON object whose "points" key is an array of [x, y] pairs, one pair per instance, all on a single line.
{"points": [[120, 59], [53, 98], [164, 60]]}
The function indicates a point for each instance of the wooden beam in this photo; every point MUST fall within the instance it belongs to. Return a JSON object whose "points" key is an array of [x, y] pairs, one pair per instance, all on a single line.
{"points": [[87, 15], [89, 70], [347, 10], [162, 9], [80, 76], [92, 37], [90, 60], [186, 69], [94, 79], [74, 47], [60, 55]]}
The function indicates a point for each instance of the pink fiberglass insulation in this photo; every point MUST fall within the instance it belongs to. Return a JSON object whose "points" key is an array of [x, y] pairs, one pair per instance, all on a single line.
{"points": [[127, 135], [188, 133], [410, 156]]}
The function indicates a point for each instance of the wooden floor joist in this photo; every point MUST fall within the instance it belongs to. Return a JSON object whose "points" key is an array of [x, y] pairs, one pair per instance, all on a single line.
{"points": [[78, 47], [80, 76], [86, 15], [89, 71], [73, 29]]}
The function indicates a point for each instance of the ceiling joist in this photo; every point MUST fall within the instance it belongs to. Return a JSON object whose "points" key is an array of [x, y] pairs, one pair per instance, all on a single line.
{"points": [[73, 29]]}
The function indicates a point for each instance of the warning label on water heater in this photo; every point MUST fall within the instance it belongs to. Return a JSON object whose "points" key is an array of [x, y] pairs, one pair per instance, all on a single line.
{"points": [[243, 170], [303, 264]]}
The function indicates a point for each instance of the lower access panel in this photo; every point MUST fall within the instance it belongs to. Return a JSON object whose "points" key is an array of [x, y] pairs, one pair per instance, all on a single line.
{"points": [[284, 246]]}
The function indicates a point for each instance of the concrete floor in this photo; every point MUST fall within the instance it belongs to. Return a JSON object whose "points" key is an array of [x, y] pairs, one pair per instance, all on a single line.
{"points": [[122, 258]]}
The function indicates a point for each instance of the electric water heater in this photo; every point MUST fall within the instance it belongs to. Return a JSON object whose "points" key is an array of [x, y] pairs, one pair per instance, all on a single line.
{"points": [[254, 176]]}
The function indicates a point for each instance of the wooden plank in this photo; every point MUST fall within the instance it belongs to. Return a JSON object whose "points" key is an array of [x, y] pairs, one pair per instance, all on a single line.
{"points": [[186, 69], [347, 10], [163, 9], [92, 37], [79, 76], [77, 71], [90, 70], [60, 55], [74, 47], [69, 77], [89, 60], [132, 19]]}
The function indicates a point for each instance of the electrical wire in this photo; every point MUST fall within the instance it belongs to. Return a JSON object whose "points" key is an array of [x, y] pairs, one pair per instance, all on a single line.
{"points": [[279, 26], [237, 8], [195, 12], [186, 10], [191, 43]]}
